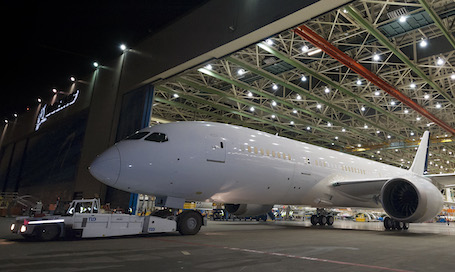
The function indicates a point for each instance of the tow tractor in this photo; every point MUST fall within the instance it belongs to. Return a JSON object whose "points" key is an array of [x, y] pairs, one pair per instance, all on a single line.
{"points": [[83, 219]]}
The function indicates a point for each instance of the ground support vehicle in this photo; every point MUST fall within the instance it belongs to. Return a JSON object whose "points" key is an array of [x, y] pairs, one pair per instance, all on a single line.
{"points": [[84, 220]]}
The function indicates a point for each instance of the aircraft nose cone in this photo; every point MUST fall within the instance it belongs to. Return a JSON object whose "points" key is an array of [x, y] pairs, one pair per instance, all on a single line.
{"points": [[106, 167]]}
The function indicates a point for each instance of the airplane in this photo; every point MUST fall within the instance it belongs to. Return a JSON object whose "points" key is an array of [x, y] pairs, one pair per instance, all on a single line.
{"points": [[251, 170]]}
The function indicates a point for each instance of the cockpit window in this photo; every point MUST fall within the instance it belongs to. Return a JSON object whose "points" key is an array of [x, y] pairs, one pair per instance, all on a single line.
{"points": [[137, 136], [157, 137]]}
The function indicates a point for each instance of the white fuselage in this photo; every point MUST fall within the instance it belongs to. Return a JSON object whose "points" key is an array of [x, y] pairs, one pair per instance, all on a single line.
{"points": [[204, 161]]}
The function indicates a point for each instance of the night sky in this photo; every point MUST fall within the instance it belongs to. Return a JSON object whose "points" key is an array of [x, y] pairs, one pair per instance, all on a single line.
{"points": [[44, 43]]}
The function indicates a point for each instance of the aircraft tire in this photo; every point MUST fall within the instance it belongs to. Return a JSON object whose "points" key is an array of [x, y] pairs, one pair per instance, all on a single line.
{"points": [[322, 220], [388, 223], [405, 226], [314, 220], [330, 220], [189, 222]]}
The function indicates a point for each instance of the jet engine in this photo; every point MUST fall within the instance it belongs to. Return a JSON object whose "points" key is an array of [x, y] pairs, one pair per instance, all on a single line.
{"points": [[411, 199], [247, 209]]}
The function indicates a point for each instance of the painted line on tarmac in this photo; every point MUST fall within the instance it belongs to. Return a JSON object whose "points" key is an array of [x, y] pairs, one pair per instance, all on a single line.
{"points": [[285, 255]]}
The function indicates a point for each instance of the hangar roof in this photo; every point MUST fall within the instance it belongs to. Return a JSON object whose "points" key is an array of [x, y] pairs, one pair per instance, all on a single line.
{"points": [[283, 84]]}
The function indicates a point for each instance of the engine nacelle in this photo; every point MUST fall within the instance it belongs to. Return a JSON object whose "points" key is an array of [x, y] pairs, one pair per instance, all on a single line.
{"points": [[411, 199], [247, 209]]}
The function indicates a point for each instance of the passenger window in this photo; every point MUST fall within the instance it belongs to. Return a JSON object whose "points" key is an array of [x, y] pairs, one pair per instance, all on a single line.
{"points": [[157, 137], [137, 136]]}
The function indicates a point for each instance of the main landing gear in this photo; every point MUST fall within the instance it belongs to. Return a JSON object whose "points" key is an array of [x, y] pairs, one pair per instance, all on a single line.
{"points": [[391, 224], [322, 217]]}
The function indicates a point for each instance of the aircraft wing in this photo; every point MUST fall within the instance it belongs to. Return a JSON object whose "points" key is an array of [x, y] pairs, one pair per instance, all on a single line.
{"points": [[446, 180], [360, 188]]}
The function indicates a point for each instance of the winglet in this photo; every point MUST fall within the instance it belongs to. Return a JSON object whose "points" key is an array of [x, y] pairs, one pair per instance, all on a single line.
{"points": [[419, 165]]}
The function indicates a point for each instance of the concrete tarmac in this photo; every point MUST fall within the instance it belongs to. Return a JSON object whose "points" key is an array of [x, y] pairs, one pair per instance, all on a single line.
{"points": [[243, 246]]}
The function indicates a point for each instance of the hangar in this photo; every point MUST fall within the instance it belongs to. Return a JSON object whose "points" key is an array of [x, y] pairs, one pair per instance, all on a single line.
{"points": [[364, 77]]}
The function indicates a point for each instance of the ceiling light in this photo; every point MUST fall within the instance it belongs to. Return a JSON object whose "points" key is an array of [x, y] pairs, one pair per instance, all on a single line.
{"points": [[452, 76], [208, 67], [402, 19], [123, 47], [377, 93], [314, 52], [250, 94], [423, 43], [176, 95], [418, 118], [39, 100], [308, 128], [252, 109], [393, 103], [298, 97], [412, 133], [329, 124], [365, 126], [73, 79], [294, 111], [438, 106], [376, 57], [275, 87], [96, 64], [406, 111], [412, 85], [439, 61], [273, 103], [343, 130], [241, 72], [305, 48], [327, 90], [273, 116], [269, 41], [362, 108], [359, 82], [426, 96], [303, 78], [15, 115], [318, 106], [54, 90], [292, 123]]}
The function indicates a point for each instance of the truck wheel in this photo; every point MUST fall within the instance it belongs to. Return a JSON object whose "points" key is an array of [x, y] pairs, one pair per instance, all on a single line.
{"points": [[48, 232], [189, 223]]}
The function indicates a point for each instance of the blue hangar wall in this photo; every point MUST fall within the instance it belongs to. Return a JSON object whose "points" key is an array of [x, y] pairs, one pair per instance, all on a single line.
{"points": [[116, 99]]}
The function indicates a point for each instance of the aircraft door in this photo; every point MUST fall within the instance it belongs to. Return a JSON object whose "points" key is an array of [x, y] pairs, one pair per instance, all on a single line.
{"points": [[215, 149]]}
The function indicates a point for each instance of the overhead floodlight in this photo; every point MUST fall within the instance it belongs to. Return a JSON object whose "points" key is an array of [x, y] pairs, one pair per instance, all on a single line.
{"points": [[403, 18], [95, 64], [273, 116], [15, 115], [305, 48], [208, 67], [365, 126], [72, 79], [292, 123], [327, 90], [418, 118], [123, 47], [412, 85], [452, 77], [250, 94], [377, 93], [343, 130], [252, 109], [406, 111], [439, 61], [426, 96], [319, 106], [303, 78], [273, 103], [39, 100], [438, 106], [241, 72], [6, 121], [269, 41], [376, 57], [54, 90], [393, 103], [329, 124], [294, 111], [298, 97], [275, 87], [423, 43], [176, 95], [308, 128], [363, 108], [359, 82]]}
